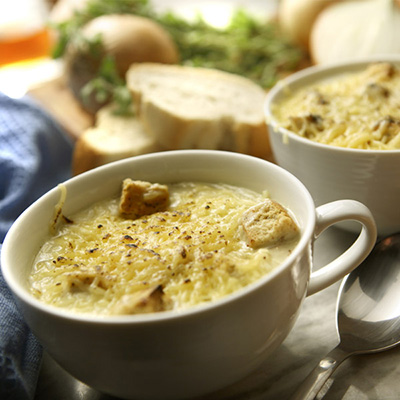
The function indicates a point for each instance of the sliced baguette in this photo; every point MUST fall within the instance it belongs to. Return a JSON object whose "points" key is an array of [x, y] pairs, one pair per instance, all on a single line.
{"points": [[112, 138], [185, 107]]}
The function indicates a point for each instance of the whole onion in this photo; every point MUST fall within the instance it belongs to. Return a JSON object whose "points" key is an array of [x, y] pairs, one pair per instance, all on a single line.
{"points": [[351, 30], [127, 39], [296, 18]]}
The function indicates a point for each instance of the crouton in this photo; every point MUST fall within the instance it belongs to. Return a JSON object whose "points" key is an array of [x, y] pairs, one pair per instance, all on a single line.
{"points": [[267, 224], [140, 198]]}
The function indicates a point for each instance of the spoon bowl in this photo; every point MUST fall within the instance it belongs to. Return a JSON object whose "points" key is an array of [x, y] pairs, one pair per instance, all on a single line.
{"points": [[368, 313]]}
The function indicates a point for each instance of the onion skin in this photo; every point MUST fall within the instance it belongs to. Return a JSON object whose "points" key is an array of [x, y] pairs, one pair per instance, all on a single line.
{"points": [[127, 39], [353, 30], [296, 18]]}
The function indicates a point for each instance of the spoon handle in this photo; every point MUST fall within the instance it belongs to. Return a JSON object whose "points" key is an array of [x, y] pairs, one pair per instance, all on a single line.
{"points": [[314, 382]]}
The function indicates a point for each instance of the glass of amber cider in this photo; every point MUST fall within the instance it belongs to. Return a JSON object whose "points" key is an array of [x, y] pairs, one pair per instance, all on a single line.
{"points": [[24, 34]]}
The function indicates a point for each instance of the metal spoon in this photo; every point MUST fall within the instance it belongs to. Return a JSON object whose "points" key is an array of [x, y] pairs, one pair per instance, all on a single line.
{"points": [[368, 313]]}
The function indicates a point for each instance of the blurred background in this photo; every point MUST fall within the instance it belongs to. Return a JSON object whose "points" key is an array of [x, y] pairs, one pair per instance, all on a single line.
{"points": [[28, 34]]}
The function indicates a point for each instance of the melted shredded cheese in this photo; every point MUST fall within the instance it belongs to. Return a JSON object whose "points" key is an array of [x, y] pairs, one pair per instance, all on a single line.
{"points": [[359, 110], [58, 208], [194, 250]]}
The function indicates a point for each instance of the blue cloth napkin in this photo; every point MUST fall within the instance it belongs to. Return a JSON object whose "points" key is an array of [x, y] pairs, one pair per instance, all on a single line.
{"points": [[35, 155]]}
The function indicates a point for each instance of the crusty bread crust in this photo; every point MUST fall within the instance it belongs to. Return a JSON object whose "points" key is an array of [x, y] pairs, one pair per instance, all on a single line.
{"points": [[185, 107], [113, 138]]}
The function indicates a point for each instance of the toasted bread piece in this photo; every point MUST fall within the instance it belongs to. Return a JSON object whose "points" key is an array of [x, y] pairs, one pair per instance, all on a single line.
{"points": [[267, 224], [140, 198], [185, 107], [114, 137]]}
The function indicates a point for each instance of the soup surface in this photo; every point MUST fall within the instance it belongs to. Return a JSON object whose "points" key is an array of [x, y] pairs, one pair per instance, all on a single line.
{"points": [[358, 110], [180, 245]]}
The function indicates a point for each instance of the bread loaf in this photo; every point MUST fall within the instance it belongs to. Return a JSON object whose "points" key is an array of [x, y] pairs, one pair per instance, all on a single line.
{"points": [[184, 107]]}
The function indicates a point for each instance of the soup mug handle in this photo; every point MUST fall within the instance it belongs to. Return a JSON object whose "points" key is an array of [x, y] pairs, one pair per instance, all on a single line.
{"points": [[330, 214]]}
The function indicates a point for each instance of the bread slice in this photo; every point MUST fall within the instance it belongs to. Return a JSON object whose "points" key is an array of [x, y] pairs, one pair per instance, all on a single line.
{"points": [[184, 107], [113, 137]]}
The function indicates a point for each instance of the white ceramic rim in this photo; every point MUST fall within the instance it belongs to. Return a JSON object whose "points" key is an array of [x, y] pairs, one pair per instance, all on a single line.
{"points": [[327, 70], [25, 296]]}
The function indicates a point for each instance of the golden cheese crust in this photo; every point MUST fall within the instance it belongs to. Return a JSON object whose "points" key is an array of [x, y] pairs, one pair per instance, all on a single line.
{"points": [[358, 110], [194, 251]]}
